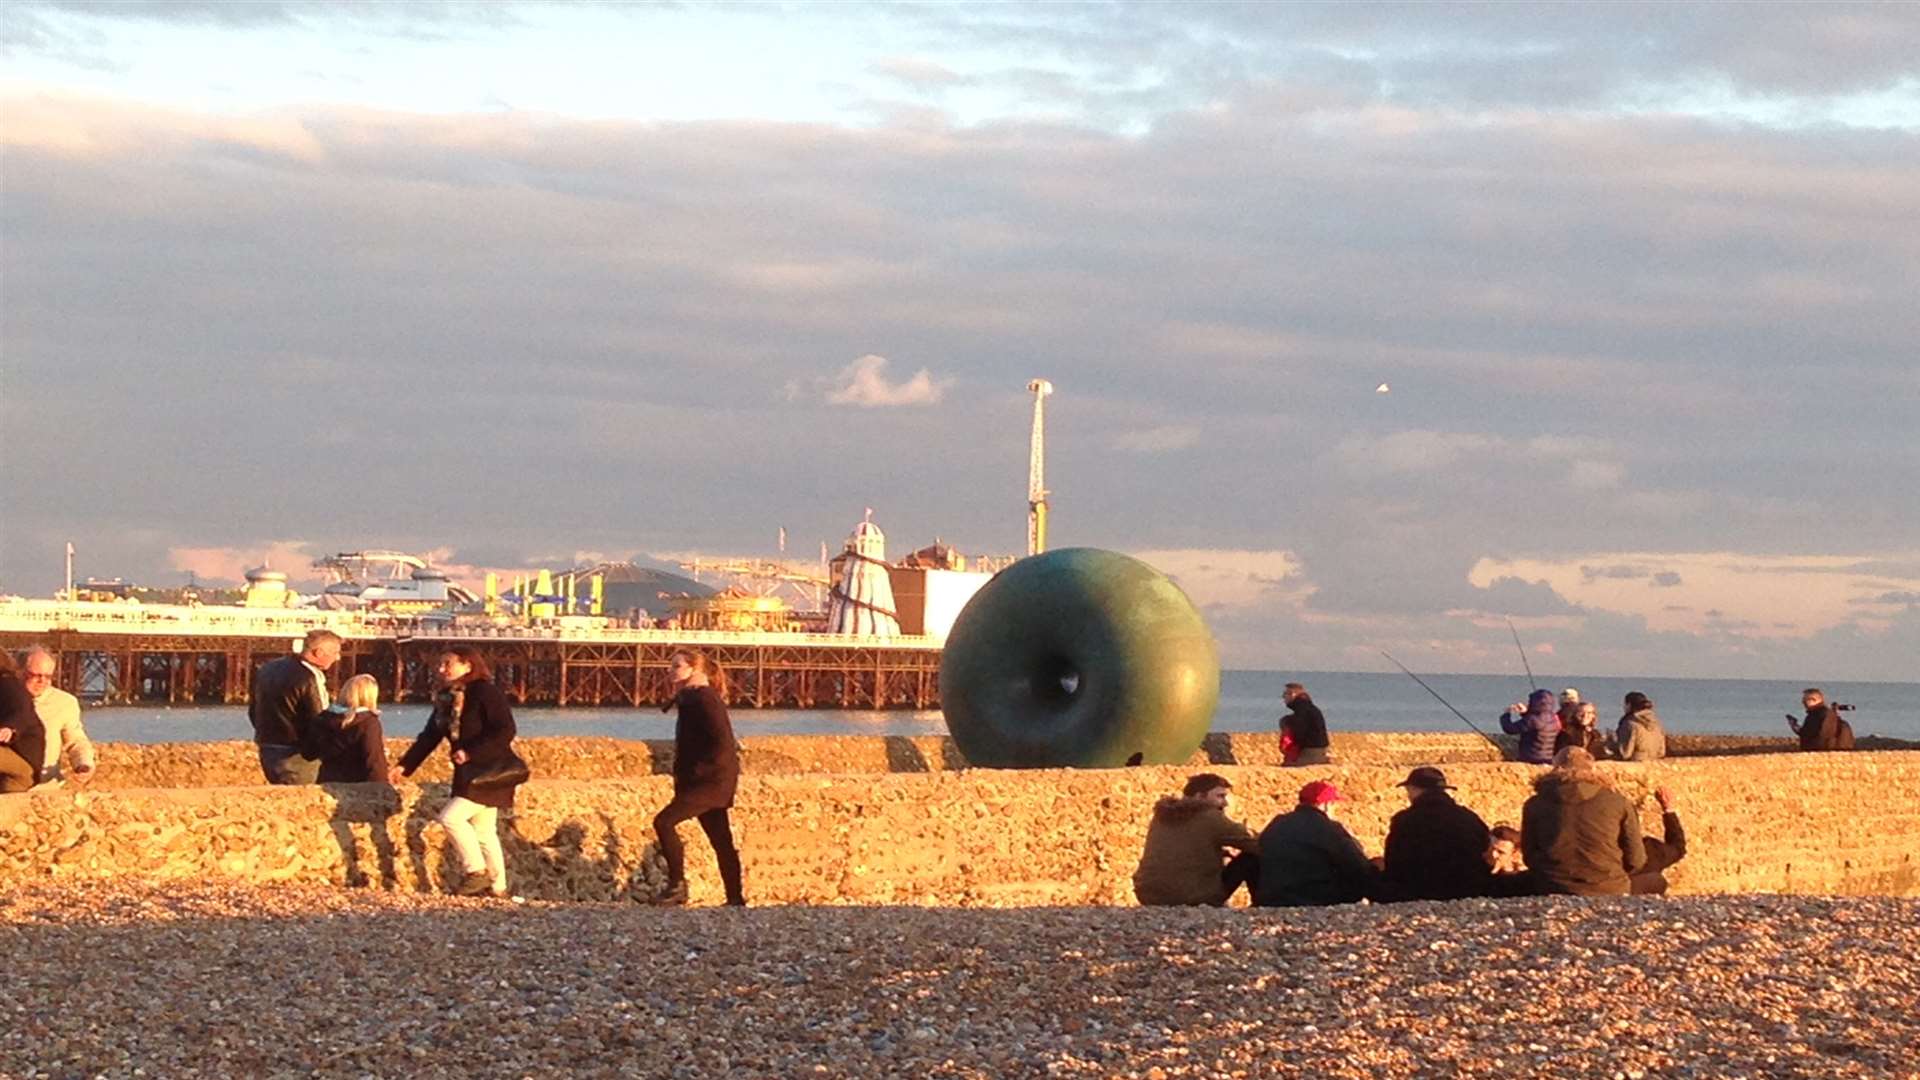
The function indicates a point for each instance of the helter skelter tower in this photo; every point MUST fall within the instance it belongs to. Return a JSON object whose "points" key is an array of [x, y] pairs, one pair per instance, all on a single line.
{"points": [[1036, 470]]}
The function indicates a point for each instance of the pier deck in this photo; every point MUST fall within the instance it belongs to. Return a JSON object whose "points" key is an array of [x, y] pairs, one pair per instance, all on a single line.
{"points": [[128, 654]]}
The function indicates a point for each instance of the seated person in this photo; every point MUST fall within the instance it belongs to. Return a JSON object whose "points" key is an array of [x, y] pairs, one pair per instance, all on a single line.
{"points": [[1651, 879], [346, 737], [1436, 848], [1188, 842], [1503, 851], [1538, 725], [1308, 859], [1578, 835], [1582, 729]]}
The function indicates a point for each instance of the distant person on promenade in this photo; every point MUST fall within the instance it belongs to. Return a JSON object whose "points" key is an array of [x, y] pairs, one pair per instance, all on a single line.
{"points": [[1822, 728], [23, 742], [706, 771], [1538, 726], [1307, 859], [1436, 848], [1651, 879], [472, 716], [1303, 731], [1578, 835], [1640, 736], [59, 714], [348, 738], [289, 694], [1583, 730], [1188, 859]]}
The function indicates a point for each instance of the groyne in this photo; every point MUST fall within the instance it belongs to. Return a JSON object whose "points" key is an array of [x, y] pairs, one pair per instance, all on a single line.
{"points": [[826, 821]]}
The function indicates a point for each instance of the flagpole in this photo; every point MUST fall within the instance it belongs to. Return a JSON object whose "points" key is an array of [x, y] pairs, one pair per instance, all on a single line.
{"points": [[69, 592]]}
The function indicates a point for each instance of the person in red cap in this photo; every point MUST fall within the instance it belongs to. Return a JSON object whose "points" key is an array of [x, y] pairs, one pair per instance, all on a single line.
{"points": [[1436, 848], [1307, 859]]}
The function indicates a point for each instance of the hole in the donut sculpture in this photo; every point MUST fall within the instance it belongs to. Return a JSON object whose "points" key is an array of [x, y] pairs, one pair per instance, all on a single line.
{"points": [[1056, 681]]}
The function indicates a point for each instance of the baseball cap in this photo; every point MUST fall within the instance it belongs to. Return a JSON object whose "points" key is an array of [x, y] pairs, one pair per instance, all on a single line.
{"points": [[1319, 793], [1428, 777]]}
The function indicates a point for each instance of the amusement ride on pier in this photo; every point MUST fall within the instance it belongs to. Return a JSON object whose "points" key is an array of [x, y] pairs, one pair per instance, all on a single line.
{"points": [[550, 639]]}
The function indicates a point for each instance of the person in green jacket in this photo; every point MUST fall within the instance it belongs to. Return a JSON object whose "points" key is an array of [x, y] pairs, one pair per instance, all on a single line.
{"points": [[1579, 835], [1188, 858]]}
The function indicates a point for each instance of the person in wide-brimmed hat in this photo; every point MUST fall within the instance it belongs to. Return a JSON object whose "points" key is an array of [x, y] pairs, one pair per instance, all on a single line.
{"points": [[1436, 848], [1308, 859]]}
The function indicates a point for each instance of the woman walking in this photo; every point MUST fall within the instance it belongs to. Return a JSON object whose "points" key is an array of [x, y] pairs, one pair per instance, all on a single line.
{"points": [[348, 739], [706, 769], [472, 715]]}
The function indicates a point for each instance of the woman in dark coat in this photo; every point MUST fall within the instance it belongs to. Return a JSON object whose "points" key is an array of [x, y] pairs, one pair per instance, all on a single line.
{"points": [[706, 769], [348, 738], [472, 714]]}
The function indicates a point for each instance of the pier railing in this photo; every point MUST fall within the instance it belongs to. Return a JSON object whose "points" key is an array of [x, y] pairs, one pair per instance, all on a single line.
{"points": [[126, 653]]}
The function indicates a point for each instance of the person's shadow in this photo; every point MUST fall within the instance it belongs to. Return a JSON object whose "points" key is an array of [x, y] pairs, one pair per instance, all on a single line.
{"points": [[370, 806]]}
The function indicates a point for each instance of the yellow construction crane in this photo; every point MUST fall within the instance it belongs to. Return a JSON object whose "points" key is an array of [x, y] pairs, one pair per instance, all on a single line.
{"points": [[1036, 470]]}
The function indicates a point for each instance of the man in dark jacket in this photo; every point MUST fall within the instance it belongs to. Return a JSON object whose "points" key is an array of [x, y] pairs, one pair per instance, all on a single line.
{"points": [[1303, 731], [1307, 859], [1436, 848], [289, 694], [1580, 836], [1821, 728], [23, 738], [1651, 879]]}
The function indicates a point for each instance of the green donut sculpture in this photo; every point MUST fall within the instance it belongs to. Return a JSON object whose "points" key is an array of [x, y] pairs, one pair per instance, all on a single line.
{"points": [[1079, 658]]}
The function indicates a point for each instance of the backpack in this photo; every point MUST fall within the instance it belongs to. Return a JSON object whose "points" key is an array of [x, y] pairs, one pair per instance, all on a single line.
{"points": [[1842, 733]]}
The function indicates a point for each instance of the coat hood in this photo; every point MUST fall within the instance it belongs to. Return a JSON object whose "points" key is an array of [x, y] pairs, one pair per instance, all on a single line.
{"points": [[1644, 717], [1572, 786], [1173, 809]]}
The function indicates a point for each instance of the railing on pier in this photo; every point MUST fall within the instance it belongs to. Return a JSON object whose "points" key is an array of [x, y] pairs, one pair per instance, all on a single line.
{"points": [[126, 653]]}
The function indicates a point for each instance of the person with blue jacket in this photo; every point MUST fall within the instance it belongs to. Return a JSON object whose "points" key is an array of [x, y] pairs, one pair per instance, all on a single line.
{"points": [[1538, 726]]}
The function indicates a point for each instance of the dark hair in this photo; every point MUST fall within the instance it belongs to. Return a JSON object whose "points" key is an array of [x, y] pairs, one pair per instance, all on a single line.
{"points": [[8, 665], [1201, 783], [471, 657], [1505, 832], [1813, 690], [1296, 686], [1637, 701]]}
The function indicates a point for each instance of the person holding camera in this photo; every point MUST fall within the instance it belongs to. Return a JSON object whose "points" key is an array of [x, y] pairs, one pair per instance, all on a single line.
{"points": [[1821, 728]]}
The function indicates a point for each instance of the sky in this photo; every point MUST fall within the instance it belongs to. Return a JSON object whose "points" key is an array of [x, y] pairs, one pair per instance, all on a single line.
{"points": [[520, 285]]}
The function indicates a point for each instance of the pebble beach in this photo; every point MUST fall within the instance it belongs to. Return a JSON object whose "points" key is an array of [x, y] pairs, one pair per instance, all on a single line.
{"points": [[129, 979]]}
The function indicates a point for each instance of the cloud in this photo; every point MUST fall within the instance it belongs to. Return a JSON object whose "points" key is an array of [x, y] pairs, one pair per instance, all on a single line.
{"points": [[918, 72], [1158, 440], [1666, 579], [864, 383]]}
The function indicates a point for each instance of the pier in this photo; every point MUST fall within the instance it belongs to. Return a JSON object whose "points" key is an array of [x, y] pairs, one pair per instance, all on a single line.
{"points": [[123, 654]]}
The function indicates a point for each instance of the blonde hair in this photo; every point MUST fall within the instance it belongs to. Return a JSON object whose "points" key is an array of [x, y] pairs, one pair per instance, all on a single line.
{"points": [[360, 692]]}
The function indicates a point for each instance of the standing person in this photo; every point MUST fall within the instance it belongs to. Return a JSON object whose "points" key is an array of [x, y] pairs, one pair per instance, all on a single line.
{"points": [[289, 694], [348, 738], [706, 770], [1186, 859], [59, 714], [1303, 731], [1583, 731], [1640, 736], [1308, 859], [1651, 879], [23, 742], [471, 714], [1579, 835], [1436, 848], [1538, 726], [1821, 728]]}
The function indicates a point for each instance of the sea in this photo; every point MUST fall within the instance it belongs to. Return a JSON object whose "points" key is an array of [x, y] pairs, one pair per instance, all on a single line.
{"points": [[1249, 701]]}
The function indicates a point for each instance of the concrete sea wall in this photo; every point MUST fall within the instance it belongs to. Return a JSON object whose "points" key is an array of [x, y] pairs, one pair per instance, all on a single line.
{"points": [[888, 823]]}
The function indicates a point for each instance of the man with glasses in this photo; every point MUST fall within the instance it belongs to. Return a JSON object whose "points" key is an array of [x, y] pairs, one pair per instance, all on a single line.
{"points": [[59, 714]]}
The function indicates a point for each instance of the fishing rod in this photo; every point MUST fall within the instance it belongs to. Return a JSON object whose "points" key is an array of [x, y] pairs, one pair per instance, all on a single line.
{"points": [[1523, 654], [1438, 698]]}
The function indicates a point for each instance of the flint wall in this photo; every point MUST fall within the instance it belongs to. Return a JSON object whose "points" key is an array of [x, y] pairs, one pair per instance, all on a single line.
{"points": [[1813, 823]]}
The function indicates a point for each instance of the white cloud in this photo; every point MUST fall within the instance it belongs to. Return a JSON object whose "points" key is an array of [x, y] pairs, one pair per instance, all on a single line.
{"points": [[1158, 440], [864, 383]]}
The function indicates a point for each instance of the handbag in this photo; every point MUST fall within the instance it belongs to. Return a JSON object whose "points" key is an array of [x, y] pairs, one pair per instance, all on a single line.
{"points": [[508, 770]]}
